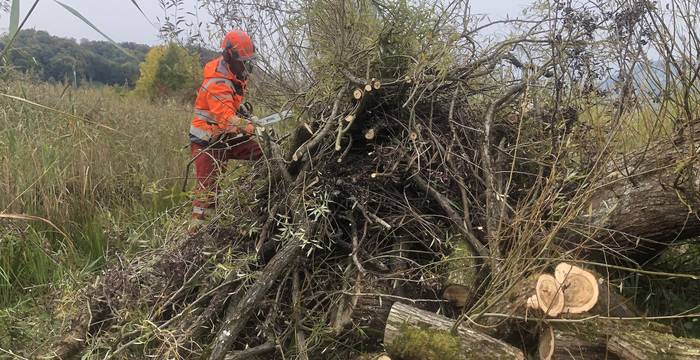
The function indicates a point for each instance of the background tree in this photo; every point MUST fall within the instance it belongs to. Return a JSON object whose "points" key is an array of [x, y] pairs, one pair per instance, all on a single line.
{"points": [[56, 58], [169, 70]]}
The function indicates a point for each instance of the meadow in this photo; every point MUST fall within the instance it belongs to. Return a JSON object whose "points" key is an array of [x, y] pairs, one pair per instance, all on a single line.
{"points": [[89, 172]]}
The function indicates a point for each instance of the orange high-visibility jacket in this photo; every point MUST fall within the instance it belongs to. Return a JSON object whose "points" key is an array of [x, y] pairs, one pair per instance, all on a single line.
{"points": [[217, 102]]}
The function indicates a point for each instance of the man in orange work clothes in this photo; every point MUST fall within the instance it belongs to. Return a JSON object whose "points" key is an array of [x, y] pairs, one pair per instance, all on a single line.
{"points": [[217, 134]]}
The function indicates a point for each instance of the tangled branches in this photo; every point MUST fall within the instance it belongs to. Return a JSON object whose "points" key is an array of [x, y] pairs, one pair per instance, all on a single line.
{"points": [[419, 147]]}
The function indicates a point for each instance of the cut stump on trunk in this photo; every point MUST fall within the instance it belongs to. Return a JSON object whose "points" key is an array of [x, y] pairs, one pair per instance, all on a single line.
{"points": [[549, 297], [579, 286]]}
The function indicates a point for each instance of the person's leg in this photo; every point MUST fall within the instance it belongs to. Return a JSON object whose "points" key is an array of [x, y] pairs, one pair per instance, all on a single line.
{"points": [[248, 149], [208, 167]]}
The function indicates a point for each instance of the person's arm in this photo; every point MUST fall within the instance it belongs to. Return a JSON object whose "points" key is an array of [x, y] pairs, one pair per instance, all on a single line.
{"points": [[223, 105]]}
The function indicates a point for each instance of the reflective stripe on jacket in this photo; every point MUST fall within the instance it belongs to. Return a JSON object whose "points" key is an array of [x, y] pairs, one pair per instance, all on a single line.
{"points": [[217, 101]]}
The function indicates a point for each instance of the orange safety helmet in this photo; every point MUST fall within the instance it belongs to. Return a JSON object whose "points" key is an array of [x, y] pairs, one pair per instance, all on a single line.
{"points": [[238, 46]]}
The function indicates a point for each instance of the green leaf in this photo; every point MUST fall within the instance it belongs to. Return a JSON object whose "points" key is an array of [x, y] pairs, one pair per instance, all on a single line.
{"points": [[14, 17], [85, 20]]}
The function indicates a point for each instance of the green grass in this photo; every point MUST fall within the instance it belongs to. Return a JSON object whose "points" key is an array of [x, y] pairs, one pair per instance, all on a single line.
{"points": [[105, 189]]}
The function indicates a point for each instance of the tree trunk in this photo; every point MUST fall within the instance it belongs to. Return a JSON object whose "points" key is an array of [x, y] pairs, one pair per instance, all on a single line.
{"points": [[648, 345], [573, 346], [412, 331], [647, 201]]}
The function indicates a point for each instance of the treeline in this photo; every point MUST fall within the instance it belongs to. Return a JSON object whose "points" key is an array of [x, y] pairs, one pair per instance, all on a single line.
{"points": [[52, 58]]}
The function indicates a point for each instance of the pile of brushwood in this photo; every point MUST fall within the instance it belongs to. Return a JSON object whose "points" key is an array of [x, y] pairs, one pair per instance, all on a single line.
{"points": [[444, 196]]}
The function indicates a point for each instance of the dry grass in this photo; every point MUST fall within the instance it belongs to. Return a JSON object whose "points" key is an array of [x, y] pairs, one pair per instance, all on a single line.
{"points": [[97, 185]]}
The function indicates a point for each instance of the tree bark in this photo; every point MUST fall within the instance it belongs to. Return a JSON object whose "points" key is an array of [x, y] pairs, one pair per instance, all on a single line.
{"points": [[570, 344], [648, 345], [473, 344], [238, 313], [647, 201]]}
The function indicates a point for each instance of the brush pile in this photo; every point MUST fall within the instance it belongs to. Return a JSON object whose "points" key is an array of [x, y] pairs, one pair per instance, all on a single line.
{"points": [[444, 197]]}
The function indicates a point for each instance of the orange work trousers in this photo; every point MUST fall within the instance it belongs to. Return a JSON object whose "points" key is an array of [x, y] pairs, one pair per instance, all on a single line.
{"points": [[210, 164]]}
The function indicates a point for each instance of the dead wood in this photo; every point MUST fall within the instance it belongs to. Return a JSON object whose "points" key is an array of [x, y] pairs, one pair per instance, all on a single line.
{"points": [[647, 202], [648, 345], [404, 319], [238, 314]]}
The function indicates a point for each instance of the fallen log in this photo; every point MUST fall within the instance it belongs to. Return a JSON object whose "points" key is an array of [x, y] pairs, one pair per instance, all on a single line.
{"points": [[647, 201], [648, 345], [568, 344], [413, 331]]}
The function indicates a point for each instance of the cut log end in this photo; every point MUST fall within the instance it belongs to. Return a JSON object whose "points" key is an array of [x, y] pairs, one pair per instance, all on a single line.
{"points": [[357, 94], [413, 136], [368, 87], [579, 286], [549, 295], [457, 295], [370, 134], [350, 118], [376, 84], [545, 348]]}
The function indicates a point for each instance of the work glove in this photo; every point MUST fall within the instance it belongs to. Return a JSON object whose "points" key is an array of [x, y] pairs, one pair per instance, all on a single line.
{"points": [[240, 126], [249, 128]]}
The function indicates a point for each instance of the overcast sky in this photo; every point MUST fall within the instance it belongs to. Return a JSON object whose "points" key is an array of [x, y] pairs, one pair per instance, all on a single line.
{"points": [[122, 22]]}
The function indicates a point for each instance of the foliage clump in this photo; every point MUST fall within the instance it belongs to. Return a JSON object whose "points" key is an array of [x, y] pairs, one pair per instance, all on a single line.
{"points": [[384, 40], [169, 71]]}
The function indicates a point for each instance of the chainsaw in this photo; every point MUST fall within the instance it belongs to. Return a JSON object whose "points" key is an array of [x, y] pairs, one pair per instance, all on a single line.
{"points": [[271, 119]]}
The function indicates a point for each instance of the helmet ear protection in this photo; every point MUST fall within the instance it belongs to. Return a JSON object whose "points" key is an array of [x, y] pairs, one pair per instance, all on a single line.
{"points": [[228, 53]]}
